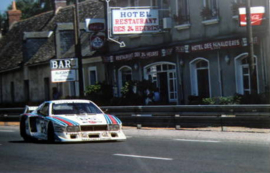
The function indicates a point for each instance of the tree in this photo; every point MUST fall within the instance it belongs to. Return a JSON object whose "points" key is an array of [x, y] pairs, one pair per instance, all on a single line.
{"points": [[30, 8], [3, 22]]}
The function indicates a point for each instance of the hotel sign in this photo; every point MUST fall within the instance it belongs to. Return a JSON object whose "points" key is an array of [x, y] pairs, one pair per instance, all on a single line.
{"points": [[135, 21]]}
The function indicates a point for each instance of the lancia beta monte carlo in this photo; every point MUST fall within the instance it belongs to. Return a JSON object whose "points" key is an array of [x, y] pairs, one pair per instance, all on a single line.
{"points": [[69, 121]]}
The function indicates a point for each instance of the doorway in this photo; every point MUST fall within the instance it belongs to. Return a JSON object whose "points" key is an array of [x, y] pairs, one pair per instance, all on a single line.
{"points": [[163, 75]]}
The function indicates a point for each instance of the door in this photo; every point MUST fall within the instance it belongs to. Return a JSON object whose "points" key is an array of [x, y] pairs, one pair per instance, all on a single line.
{"points": [[41, 122], [172, 89], [203, 83], [163, 87]]}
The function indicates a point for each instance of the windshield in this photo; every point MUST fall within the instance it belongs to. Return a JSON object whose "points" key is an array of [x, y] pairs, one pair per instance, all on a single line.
{"points": [[74, 108]]}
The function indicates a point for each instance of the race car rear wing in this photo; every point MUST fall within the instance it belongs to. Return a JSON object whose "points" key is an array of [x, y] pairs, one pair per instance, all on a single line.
{"points": [[29, 109]]}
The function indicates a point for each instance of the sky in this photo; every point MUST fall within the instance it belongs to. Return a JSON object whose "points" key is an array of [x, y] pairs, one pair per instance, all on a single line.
{"points": [[4, 4]]}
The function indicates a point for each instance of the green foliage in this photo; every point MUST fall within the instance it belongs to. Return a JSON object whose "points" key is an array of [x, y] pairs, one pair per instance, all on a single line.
{"points": [[126, 89], [209, 101], [93, 89], [231, 100], [100, 93]]}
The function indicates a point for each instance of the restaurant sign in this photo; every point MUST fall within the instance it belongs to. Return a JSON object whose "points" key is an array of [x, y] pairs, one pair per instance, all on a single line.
{"points": [[139, 55], [135, 21]]}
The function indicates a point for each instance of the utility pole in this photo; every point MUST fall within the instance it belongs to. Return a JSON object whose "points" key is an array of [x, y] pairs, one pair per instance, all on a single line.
{"points": [[253, 80], [78, 51]]}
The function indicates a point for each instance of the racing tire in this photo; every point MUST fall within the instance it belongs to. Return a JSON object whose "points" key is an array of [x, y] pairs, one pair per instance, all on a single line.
{"points": [[50, 133], [23, 133]]}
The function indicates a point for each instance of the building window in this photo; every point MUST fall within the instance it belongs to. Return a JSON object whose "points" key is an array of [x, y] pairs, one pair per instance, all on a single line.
{"points": [[26, 90], [210, 9], [47, 88], [236, 4], [182, 12], [200, 78], [92, 73], [243, 77], [124, 75], [163, 75], [73, 89], [143, 3]]}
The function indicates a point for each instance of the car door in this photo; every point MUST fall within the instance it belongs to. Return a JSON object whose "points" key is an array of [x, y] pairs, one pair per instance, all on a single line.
{"points": [[42, 121]]}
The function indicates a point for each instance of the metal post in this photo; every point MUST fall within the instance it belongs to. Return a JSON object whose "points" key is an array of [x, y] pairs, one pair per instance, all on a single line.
{"points": [[78, 49], [253, 82]]}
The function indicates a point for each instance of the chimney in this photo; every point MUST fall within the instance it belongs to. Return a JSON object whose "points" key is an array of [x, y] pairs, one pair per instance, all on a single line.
{"points": [[14, 15], [59, 3]]}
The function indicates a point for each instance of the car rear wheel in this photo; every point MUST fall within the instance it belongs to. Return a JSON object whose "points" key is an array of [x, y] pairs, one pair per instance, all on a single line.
{"points": [[51, 138]]}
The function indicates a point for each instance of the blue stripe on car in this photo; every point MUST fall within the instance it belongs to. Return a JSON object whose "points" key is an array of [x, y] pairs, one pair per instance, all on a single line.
{"points": [[118, 120], [109, 121]]}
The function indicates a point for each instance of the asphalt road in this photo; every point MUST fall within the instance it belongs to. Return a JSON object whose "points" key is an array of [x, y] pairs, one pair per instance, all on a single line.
{"points": [[145, 151]]}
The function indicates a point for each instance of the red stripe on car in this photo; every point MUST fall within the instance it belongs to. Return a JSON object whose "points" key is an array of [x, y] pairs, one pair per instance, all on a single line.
{"points": [[113, 120], [68, 123]]}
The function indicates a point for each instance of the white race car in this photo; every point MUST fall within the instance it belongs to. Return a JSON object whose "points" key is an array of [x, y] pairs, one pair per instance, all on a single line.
{"points": [[69, 121]]}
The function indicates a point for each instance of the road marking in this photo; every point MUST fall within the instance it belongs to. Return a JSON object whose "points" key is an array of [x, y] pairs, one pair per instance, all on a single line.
{"points": [[7, 131], [143, 157], [192, 140]]}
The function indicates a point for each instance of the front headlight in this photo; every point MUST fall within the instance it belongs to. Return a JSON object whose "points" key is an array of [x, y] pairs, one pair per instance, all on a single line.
{"points": [[73, 129], [114, 127]]}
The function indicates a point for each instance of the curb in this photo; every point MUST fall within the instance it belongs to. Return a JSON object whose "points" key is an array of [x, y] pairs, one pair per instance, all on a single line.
{"points": [[4, 123]]}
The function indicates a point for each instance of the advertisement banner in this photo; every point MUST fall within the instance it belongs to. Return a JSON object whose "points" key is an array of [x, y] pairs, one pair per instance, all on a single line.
{"points": [[256, 14], [135, 21], [63, 75]]}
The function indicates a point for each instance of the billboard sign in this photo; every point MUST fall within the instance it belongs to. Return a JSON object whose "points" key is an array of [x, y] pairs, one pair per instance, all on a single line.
{"points": [[256, 14], [94, 25], [135, 21], [64, 70], [97, 42]]}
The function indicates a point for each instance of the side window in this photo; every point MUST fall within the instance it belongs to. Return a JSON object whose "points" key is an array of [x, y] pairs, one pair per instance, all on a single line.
{"points": [[45, 109]]}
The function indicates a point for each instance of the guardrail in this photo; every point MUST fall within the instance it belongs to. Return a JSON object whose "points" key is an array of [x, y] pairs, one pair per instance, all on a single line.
{"points": [[193, 115], [179, 116]]}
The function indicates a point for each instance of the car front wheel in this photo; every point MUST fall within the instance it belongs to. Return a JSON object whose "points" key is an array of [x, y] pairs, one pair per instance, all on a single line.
{"points": [[51, 138]]}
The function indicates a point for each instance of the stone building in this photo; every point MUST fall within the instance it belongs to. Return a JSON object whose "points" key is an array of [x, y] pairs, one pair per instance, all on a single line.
{"points": [[195, 49], [30, 44], [200, 50]]}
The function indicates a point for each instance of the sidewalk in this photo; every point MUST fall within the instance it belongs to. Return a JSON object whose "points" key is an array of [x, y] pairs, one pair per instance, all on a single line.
{"points": [[3, 123], [213, 129]]}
